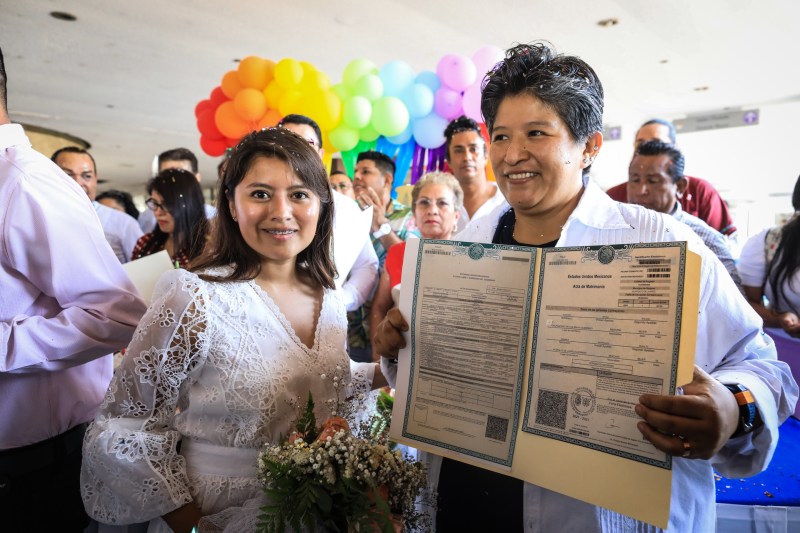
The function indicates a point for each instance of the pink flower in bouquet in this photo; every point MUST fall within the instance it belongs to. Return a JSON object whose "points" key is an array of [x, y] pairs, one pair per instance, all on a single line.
{"points": [[332, 426]]}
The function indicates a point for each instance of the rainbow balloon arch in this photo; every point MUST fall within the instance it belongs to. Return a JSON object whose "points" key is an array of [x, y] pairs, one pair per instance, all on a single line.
{"points": [[390, 109]]}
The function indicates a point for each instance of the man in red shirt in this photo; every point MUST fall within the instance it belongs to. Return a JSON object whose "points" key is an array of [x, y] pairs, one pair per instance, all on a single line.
{"points": [[698, 197]]}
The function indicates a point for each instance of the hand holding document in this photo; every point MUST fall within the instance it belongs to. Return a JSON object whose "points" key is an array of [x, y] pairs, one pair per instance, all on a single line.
{"points": [[145, 272], [529, 362]]}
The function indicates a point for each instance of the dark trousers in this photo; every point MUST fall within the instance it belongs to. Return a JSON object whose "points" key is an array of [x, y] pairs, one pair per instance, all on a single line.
{"points": [[40, 486]]}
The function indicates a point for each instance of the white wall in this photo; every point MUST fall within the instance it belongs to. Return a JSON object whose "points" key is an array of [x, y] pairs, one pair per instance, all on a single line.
{"points": [[753, 167]]}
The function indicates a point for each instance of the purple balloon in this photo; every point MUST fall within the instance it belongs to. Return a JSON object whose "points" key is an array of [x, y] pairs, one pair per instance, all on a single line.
{"points": [[456, 71], [485, 58], [472, 103], [447, 103]]}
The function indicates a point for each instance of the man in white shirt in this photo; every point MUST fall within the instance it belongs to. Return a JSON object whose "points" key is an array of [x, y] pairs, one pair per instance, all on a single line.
{"points": [[121, 230], [466, 156], [175, 158]]}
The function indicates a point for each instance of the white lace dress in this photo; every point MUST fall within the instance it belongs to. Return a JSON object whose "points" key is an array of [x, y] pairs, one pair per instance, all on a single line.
{"points": [[218, 368]]}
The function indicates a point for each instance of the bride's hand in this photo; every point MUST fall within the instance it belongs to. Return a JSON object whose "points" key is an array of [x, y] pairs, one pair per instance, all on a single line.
{"points": [[183, 519]]}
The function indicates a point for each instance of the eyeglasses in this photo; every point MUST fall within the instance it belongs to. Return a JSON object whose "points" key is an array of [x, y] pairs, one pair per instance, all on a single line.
{"points": [[154, 206], [342, 185]]}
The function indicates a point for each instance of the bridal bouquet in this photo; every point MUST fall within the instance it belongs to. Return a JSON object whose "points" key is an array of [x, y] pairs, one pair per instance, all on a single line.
{"points": [[328, 478]]}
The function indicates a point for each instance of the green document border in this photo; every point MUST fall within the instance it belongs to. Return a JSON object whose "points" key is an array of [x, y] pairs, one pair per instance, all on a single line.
{"points": [[460, 248], [667, 464]]}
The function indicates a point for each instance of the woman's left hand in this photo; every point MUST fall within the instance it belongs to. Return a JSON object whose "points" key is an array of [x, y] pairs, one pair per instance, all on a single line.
{"points": [[695, 425]]}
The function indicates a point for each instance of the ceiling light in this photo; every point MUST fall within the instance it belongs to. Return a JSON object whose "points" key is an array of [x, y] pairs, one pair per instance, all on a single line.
{"points": [[63, 15], [607, 23], [237, 60], [701, 88], [663, 61]]}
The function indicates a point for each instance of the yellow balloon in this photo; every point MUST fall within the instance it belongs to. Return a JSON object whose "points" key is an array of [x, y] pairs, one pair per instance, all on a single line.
{"points": [[273, 94], [288, 73], [325, 108], [290, 103]]}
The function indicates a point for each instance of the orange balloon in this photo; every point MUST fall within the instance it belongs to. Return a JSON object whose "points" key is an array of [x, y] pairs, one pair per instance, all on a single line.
{"points": [[231, 84], [270, 119], [253, 72], [250, 104], [270, 64], [229, 123]]}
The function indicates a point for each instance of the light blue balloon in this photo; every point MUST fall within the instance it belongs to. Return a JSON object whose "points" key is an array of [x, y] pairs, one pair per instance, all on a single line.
{"points": [[403, 137], [419, 100], [430, 79], [396, 76], [429, 131]]}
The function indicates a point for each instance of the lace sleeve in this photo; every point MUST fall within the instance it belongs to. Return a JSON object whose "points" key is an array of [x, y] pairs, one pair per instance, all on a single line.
{"points": [[361, 375], [131, 470]]}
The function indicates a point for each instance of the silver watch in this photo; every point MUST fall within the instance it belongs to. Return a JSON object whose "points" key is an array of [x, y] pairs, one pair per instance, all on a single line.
{"points": [[385, 229]]}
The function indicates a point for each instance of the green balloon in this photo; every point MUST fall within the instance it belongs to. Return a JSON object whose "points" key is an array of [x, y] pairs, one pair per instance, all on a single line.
{"points": [[357, 112], [356, 69], [341, 91], [368, 133], [369, 86], [344, 138], [389, 116]]}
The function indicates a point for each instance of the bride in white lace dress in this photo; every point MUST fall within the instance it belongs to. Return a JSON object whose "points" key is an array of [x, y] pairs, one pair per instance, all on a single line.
{"points": [[222, 358]]}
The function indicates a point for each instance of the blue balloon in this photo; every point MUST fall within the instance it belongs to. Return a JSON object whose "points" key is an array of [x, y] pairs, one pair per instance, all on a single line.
{"points": [[430, 79], [419, 100], [404, 136], [396, 76], [429, 131]]}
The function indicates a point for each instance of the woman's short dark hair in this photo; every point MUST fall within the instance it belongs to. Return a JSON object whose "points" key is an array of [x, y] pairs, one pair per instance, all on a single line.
{"points": [[229, 247], [183, 198], [566, 84]]}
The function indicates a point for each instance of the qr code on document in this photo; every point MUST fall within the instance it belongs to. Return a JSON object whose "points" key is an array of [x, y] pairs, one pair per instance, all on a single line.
{"points": [[551, 409]]}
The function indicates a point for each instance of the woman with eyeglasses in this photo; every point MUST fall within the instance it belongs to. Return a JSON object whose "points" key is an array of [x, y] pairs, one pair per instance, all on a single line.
{"points": [[341, 182], [176, 199], [436, 201]]}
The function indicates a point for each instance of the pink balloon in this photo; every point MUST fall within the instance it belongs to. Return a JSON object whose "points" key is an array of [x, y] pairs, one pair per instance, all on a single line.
{"points": [[447, 103], [472, 103], [485, 58], [456, 71]]}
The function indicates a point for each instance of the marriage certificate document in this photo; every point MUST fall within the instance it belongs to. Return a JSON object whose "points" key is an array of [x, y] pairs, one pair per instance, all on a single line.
{"points": [[529, 362]]}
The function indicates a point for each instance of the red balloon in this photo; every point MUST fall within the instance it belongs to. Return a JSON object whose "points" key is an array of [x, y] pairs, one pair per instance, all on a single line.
{"points": [[201, 106], [207, 125], [213, 147], [217, 97]]}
